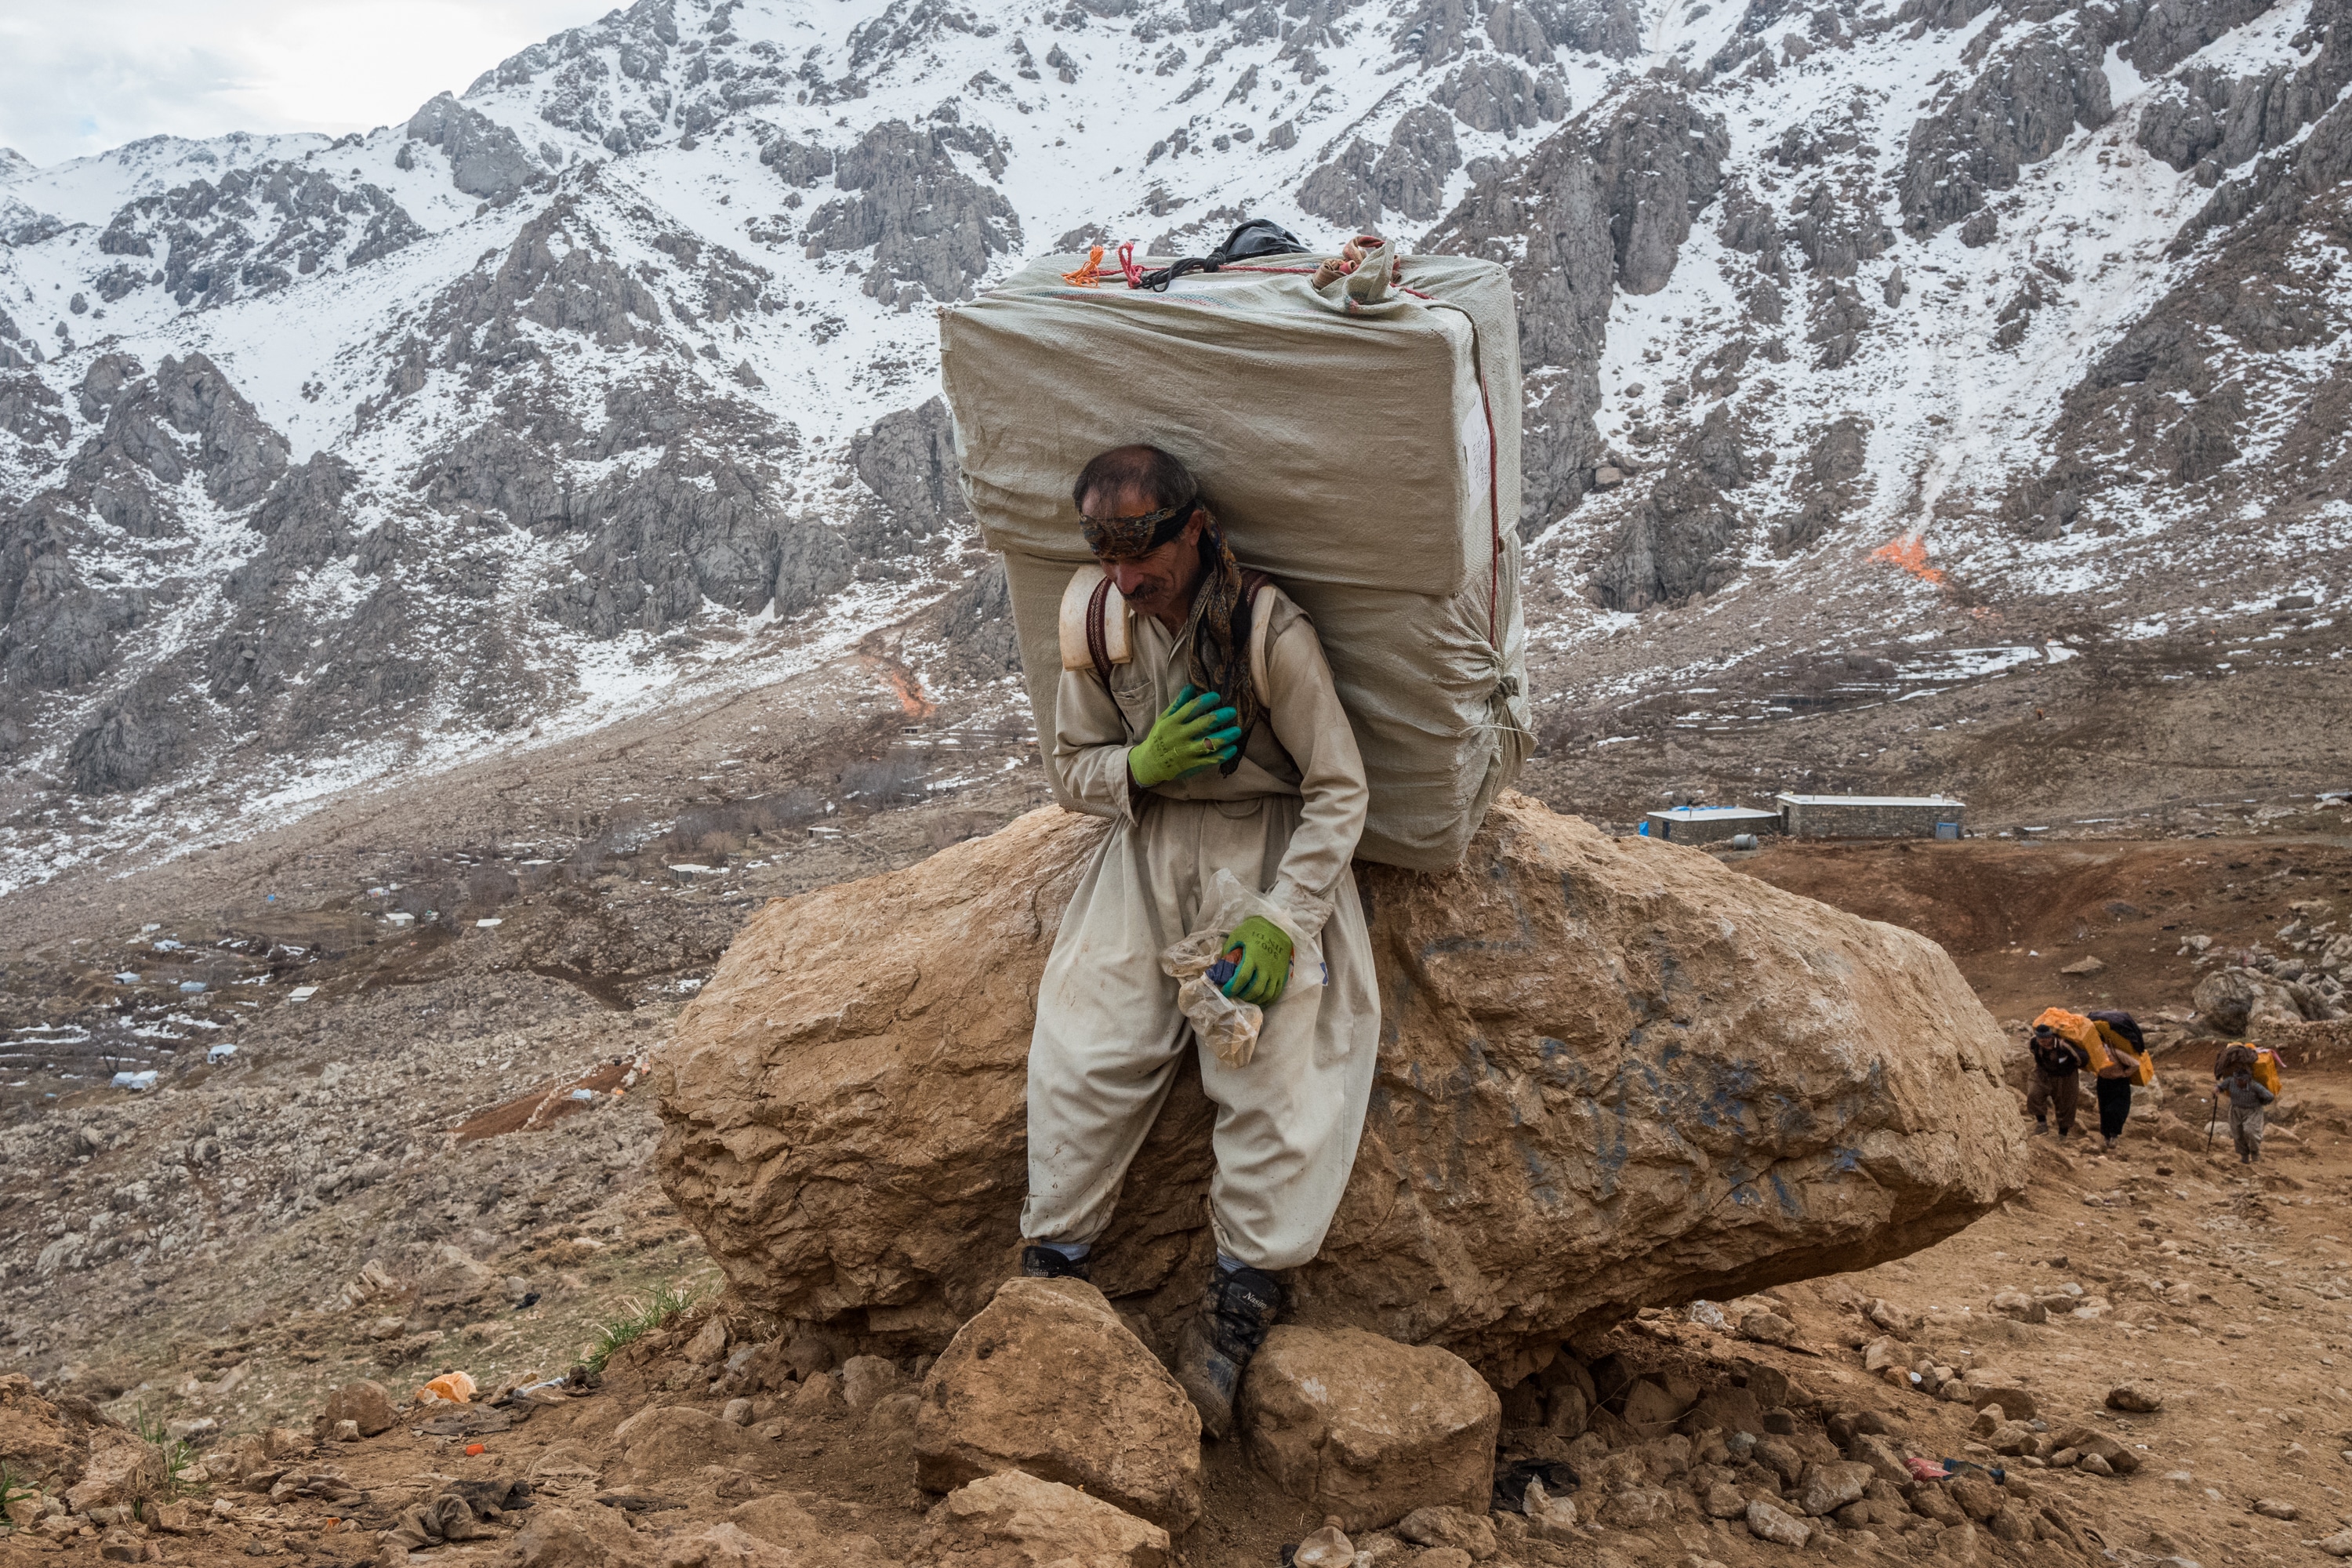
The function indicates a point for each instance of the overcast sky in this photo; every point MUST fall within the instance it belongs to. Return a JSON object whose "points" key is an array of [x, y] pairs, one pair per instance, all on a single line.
{"points": [[82, 76]]}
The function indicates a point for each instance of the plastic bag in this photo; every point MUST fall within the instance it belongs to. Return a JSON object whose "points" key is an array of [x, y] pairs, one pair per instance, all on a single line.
{"points": [[1229, 1028]]}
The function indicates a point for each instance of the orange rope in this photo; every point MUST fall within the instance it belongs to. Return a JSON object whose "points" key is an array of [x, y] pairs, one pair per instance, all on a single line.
{"points": [[1089, 275]]}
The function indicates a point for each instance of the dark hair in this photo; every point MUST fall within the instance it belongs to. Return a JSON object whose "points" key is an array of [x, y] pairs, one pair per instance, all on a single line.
{"points": [[1164, 480]]}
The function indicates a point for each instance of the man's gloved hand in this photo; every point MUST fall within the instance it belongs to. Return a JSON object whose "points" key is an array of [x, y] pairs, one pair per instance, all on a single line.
{"points": [[1264, 968], [1193, 734]]}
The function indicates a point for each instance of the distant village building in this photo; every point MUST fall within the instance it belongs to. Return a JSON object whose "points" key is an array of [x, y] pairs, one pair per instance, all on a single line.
{"points": [[1869, 815], [1710, 824]]}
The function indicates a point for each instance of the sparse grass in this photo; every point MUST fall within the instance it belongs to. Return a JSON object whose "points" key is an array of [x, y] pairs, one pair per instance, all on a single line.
{"points": [[638, 1318], [179, 1457], [11, 1489]]}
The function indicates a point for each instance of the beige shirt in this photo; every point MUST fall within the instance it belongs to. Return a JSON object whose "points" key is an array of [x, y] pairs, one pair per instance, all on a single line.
{"points": [[1305, 748]]}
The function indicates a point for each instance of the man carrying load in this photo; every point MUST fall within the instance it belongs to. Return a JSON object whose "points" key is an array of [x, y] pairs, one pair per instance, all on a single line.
{"points": [[2058, 1063], [1206, 753], [2115, 1048]]}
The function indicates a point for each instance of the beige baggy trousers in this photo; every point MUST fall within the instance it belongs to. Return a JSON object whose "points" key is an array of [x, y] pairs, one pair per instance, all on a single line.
{"points": [[1109, 1036]]}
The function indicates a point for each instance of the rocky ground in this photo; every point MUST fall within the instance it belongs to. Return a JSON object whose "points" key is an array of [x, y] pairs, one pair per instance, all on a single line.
{"points": [[2160, 1277], [391, 1176]]}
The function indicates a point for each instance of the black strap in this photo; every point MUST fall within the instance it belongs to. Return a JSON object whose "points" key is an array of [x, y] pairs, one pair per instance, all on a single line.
{"points": [[1251, 239]]}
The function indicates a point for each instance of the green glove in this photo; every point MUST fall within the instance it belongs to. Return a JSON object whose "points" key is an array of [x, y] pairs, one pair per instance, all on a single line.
{"points": [[1193, 734], [1263, 969]]}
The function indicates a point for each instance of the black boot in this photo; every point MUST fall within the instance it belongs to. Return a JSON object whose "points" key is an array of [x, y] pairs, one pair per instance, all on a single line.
{"points": [[1215, 1347], [1046, 1263]]}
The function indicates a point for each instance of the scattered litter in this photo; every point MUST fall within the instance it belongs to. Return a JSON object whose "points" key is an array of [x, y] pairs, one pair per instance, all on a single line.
{"points": [[168, 945], [302, 993], [127, 978], [190, 987], [398, 918], [584, 1094], [218, 1054], [487, 925], [453, 1386], [473, 1448], [134, 1081]]}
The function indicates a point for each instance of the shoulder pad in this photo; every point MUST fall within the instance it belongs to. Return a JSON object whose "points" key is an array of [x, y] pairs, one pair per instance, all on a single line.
{"points": [[1073, 622]]}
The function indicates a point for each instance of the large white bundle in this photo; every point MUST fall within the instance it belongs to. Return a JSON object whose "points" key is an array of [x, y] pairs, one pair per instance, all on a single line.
{"points": [[1369, 462]]}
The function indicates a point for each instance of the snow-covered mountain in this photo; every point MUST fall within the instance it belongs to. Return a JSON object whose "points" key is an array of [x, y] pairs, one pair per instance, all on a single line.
{"points": [[1854, 335]]}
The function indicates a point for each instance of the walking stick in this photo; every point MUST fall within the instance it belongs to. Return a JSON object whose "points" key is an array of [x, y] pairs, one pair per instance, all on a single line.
{"points": [[2213, 1110]]}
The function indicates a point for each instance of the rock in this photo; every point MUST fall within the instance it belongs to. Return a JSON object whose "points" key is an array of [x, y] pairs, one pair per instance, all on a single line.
{"points": [[2013, 1522], [779, 1522], [2338, 1545], [1443, 1557], [485, 159], [1367, 1429], [2276, 1507], [2095, 1464], [363, 1403], [664, 1440], [2084, 966], [1047, 1379], [932, 225], [122, 1469], [865, 1379], [1459, 1529], [1978, 1498], [573, 1538], [1768, 1523], [738, 1412], [1827, 1487], [345, 1432], [907, 458], [1767, 1329], [2237, 1002], [2011, 1438], [2141, 1396], [2099, 1446], [817, 1394], [1017, 1521], [2017, 1304], [1879, 1455], [1778, 1454], [455, 1278], [1988, 1388], [708, 1345], [1327, 1548], [1724, 1500], [834, 1172], [1881, 1354], [1549, 1517]]}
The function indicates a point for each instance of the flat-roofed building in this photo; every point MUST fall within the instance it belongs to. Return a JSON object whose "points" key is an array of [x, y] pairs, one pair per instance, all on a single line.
{"points": [[1869, 815], [1710, 824]]}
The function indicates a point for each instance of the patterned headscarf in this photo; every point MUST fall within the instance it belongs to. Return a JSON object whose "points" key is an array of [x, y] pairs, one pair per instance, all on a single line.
{"points": [[1219, 620]]}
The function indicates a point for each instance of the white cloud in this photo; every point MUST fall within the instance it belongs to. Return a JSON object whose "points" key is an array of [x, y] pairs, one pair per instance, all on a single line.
{"points": [[80, 78]]}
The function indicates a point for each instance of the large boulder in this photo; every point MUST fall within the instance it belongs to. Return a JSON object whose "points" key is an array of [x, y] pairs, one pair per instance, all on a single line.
{"points": [[1613, 1073], [1048, 1380]]}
